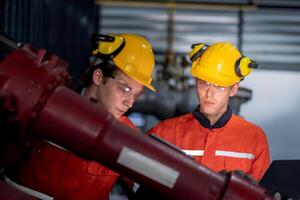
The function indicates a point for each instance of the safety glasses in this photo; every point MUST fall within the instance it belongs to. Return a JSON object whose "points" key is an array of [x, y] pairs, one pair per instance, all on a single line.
{"points": [[125, 90], [206, 85]]}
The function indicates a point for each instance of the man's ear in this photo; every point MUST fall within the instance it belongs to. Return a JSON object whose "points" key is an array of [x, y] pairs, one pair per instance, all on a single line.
{"points": [[234, 89], [97, 77]]}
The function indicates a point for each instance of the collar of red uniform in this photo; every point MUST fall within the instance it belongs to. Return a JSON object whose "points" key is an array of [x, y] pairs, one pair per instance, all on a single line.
{"points": [[205, 122]]}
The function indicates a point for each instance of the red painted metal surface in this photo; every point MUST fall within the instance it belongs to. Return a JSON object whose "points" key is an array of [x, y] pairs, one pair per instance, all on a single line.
{"points": [[46, 108], [9, 193]]}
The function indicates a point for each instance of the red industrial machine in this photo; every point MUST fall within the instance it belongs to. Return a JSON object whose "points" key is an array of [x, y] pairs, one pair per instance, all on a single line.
{"points": [[36, 103]]}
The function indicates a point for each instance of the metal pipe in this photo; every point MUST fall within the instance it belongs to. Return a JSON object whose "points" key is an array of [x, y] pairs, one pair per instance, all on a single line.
{"points": [[179, 5], [9, 41]]}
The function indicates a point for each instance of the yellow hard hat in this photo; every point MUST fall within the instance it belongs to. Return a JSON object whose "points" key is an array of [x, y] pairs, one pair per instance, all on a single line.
{"points": [[131, 53], [221, 63]]}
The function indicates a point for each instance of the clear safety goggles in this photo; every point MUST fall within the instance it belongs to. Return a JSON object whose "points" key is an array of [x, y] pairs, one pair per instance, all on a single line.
{"points": [[206, 85], [125, 90]]}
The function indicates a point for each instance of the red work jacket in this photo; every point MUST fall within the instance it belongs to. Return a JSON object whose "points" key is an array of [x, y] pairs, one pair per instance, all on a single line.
{"points": [[59, 173], [237, 145]]}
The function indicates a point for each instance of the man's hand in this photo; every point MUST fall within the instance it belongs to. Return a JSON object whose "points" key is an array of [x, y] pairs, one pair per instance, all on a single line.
{"points": [[240, 173]]}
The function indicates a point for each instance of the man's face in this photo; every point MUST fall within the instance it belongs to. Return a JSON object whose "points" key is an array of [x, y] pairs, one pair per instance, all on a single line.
{"points": [[118, 94], [214, 99]]}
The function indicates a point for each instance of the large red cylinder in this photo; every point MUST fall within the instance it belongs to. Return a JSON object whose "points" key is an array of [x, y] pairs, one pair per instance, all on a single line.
{"points": [[69, 120], [46, 108]]}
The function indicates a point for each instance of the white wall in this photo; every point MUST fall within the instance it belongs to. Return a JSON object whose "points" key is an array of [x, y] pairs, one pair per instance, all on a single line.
{"points": [[275, 106]]}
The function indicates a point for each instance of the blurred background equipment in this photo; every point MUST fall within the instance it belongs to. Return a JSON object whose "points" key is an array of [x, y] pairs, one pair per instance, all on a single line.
{"points": [[283, 176]]}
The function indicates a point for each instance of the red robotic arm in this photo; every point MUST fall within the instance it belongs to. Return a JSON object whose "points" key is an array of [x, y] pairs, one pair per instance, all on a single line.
{"points": [[33, 90]]}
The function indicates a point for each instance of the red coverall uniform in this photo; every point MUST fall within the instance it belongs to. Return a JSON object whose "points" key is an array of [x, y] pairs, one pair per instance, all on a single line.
{"points": [[61, 174], [231, 144]]}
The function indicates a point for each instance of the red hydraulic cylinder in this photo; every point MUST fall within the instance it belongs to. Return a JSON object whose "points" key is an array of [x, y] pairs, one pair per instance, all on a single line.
{"points": [[9, 193], [46, 108]]}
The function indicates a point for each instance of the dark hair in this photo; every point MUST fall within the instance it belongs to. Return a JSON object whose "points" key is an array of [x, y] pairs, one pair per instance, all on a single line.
{"points": [[106, 66]]}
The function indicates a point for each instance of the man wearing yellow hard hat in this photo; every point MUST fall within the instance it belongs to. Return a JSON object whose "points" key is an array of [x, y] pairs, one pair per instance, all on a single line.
{"points": [[214, 136], [121, 65]]}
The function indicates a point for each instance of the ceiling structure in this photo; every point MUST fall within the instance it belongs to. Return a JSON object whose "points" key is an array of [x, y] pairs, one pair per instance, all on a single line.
{"points": [[266, 30]]}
